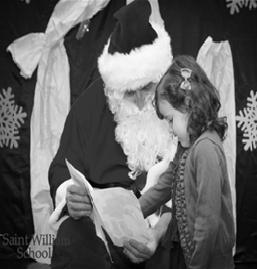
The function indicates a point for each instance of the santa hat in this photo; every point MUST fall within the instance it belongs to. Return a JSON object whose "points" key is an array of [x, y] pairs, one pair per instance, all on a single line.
{"points": [[137, 52]]}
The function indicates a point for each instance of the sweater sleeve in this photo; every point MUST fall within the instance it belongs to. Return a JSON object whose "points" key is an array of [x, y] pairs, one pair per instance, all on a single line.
{"points": [[157, 195], [207, 160]]}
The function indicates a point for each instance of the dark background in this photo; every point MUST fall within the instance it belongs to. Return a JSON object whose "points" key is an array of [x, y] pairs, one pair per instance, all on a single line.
{"points": [[188, 23]]}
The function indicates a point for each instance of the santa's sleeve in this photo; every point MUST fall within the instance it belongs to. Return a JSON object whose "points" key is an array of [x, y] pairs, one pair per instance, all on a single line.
{"points": [[72, 147]]}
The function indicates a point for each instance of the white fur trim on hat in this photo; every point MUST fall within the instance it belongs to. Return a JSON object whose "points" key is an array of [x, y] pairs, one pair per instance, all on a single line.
{"points": [[138, 68]]}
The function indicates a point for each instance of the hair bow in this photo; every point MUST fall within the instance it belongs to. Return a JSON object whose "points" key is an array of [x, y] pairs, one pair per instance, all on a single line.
{"points": [[185, 74]]}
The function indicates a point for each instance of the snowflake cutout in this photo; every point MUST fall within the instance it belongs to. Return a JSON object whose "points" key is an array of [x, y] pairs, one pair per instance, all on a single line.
{"points": [[11, 117], [235, 5], [247, 121], [26, 1]]}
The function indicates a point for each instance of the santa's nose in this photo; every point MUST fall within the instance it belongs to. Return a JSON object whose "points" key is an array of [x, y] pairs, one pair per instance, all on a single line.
{"points": [[140, 99]]}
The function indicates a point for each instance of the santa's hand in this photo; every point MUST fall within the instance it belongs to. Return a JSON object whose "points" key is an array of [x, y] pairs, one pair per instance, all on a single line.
{"points": [[78, 202], [139, 252]]}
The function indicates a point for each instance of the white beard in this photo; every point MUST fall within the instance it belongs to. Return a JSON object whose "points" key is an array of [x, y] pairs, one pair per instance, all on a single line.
{"points": [[144, 138]]}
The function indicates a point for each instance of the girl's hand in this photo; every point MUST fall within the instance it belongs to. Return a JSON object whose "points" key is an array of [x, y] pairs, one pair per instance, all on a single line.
{"points": [[139, 252], [78, 202]]}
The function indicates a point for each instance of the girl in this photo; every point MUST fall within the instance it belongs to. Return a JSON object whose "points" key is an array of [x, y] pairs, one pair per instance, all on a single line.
{"points": [[201, 231]]}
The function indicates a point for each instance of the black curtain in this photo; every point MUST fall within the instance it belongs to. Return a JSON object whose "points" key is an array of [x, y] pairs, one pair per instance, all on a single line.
{"points": [[83, 53], [16, 222]]}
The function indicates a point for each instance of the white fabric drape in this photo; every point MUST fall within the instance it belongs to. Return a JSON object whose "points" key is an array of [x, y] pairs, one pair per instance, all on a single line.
{"points": [[216, 60], [51, 103]]}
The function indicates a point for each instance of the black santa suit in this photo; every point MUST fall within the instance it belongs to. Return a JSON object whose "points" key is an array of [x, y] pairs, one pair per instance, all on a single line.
{"points": [[88, 142]]}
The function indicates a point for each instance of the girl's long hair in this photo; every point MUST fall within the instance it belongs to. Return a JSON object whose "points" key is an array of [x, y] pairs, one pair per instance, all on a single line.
{"points": [[201, 102]]}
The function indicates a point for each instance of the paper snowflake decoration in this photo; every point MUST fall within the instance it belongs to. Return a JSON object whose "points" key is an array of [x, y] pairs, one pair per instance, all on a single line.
{"points": [[11, 118], [26, 1], [235, 5], [247, 121]]}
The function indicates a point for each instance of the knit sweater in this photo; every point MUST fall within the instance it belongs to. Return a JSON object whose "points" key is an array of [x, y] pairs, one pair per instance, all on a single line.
{"points": [[203, 204]]}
